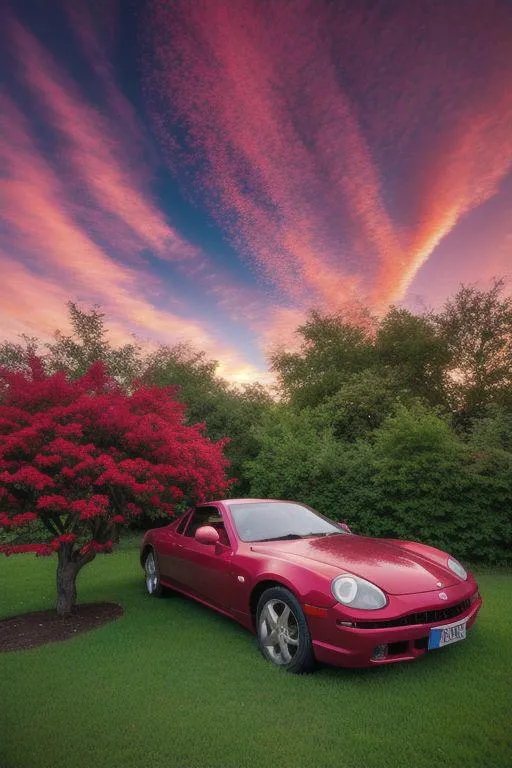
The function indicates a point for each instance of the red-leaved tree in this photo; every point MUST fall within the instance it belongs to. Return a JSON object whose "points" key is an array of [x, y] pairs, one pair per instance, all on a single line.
{"points": [[83, 456]]}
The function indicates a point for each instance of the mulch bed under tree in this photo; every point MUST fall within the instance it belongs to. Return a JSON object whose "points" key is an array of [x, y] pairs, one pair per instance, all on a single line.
{"points": [[30, 630]]}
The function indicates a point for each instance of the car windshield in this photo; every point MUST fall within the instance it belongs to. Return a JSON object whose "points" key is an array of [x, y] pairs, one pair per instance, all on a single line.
{"points": [[274, 520]]}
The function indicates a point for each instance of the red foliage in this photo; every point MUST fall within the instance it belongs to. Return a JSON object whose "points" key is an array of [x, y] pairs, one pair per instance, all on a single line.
{"points": [[17, 549], [82, 456]]}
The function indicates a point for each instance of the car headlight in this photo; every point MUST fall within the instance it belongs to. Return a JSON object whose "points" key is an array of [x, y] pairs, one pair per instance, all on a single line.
{"points": [[457, 568], [358, 593]]}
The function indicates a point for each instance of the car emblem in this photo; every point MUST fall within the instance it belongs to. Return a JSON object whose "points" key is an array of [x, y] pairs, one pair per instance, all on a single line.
{"points": [[443, 596], [241, 579], [439, 583]]}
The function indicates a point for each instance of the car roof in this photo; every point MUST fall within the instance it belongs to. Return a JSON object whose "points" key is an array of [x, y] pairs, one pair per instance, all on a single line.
{"points": [[237, 501]]}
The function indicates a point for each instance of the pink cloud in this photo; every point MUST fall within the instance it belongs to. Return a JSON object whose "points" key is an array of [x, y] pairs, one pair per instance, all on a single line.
{"points": [[20, 299], [295, 115], [289, 108], [49, 256], [95, 155], [24, 312]]}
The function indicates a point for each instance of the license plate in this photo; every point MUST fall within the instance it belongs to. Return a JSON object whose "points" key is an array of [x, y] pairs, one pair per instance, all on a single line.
{"points": [[450, 633]]}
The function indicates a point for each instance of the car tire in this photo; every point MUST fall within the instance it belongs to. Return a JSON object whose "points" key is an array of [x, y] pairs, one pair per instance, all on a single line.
{"points": [[280, 618], [152, 574]]}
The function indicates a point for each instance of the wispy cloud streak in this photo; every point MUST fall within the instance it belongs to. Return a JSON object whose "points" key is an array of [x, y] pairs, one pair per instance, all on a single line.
{"points": [[94, 154], [336, 144], [289, 110], [49, 254]]}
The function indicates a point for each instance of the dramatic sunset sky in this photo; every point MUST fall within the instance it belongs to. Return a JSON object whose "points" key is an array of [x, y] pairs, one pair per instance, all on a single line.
{"points": [[208, 170]]}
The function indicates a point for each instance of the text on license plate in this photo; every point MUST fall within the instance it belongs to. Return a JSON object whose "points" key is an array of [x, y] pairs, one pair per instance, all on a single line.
{"points": [[450, 633]]}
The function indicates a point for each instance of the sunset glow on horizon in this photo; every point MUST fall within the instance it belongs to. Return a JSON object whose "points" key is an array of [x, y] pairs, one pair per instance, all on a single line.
{"points": [[207, 171]]}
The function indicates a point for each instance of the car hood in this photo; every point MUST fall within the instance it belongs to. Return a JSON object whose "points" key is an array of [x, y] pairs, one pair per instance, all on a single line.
{"points": [[390, 565]]}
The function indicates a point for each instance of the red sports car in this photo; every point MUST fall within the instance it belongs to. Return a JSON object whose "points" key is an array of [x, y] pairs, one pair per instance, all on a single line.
{"points": [[309, 588]]}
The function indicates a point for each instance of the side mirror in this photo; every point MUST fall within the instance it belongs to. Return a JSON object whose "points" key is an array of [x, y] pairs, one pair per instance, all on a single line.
{"points": [[206, 534], [345, 527]]}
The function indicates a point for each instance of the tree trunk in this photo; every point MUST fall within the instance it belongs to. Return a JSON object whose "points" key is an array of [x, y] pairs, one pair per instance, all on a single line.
{"points": [[70, 563], [67, 571]]}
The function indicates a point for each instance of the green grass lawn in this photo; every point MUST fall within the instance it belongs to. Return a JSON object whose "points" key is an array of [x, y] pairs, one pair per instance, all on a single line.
{"points": [[174, 684]]}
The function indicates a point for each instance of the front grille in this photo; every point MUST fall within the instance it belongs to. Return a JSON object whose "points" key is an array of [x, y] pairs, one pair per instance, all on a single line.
{"points": [[423, 617]]}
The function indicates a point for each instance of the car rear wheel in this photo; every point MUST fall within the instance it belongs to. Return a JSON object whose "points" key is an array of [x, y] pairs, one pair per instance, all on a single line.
{"points": [[283, 633], [153, 585]]}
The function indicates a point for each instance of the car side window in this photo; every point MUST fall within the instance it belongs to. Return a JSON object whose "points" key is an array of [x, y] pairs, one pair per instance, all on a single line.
{"points": [[207, 516], [183, 523]]}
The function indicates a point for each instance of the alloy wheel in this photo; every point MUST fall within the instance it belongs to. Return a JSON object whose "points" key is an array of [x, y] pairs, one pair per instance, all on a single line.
{"points": [[279, 632], [151, 574]]}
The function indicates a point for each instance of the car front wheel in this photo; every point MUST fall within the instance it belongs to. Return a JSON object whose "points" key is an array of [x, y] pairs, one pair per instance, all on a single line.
{"points": [[283, 633], [153, 585]]}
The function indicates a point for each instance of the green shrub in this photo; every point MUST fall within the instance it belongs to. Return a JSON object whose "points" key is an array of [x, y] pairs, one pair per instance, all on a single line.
{"points": [[415, 480]]}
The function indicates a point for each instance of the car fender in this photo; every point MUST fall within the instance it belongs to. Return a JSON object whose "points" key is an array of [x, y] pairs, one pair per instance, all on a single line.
{"points": [[148, 540], [308, 586]]}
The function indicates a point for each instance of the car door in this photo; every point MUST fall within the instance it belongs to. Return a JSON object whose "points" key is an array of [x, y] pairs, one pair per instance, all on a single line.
{"points": [[205, 569], [168, 551]]}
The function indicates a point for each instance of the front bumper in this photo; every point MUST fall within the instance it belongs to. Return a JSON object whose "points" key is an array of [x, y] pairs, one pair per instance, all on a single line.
{"points": [[345, 646]]}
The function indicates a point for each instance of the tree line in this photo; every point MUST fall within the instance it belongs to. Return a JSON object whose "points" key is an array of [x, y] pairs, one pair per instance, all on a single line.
{"points": [[402, 428]]}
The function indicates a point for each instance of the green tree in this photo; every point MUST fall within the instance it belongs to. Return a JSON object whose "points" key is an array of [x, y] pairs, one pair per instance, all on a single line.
{"points": [[404, 483], [15, 356], [417, 481], [225, 410], [88, 343], [74, 353], [238, 412], [477, 327], [191, 372], [487, 507], [331, 350], [412, 347], [298, 458], [427, 484], [493, 430], [362, 402]]}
